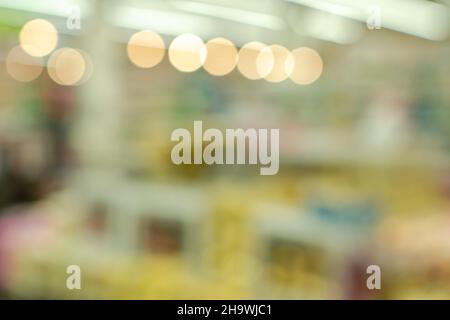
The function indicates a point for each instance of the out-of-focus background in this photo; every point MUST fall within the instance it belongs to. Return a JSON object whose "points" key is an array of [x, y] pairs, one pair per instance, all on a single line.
{"points": [[88, 103]]}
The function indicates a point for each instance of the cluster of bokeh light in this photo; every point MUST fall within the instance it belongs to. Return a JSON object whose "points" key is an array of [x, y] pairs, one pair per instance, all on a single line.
{"points": [[38, 39], [187, 53], [219, 57]]}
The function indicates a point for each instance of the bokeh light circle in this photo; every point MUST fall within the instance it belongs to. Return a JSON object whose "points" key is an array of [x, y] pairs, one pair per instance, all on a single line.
{"points": [[221, 56], [308, 66], [255, 60], [66, 66], [282, 66], [187, 52], [38, 37], [21, 66], [146, 49]]}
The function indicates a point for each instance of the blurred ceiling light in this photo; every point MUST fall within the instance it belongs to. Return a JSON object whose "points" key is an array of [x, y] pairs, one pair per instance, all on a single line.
{"points": [[333, 7], [163, 22], [282, 66], [325, 26], [187, 52], [425, 19], [221, 57], [21, 66], [60, 8], [255, 60], [38, 37], [66, 66], [145, 49], [257, 19], [307, 66]]}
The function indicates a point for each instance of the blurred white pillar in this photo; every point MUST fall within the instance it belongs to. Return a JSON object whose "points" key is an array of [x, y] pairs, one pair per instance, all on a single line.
{"points": [[97, 127]]}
